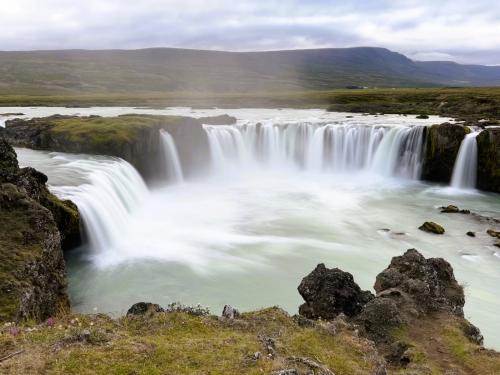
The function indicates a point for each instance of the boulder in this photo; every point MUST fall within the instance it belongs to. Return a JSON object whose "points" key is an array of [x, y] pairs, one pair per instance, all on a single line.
{"points": [[144, 308], [330, 292], [430, 283], [431, 227], [488, 163], [230, 312], [442, 143]]}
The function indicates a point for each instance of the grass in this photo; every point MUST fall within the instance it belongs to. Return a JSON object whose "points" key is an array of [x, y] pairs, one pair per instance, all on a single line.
{"points": [[178, 343], [456, 102]]}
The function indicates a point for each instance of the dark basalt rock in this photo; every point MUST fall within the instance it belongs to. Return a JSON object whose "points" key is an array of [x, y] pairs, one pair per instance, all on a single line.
{"points": [[488, 163], [471, 234], [32, 272], [379, 317], [330, 292], [442, 143], [144, 308], [431, 227], [218, 120], [430, 283]]}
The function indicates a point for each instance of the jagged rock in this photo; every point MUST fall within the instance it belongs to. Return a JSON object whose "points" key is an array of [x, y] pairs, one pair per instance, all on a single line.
{"points": [[144, 308], [329, 292], [442, 143], [431, 227], [430, 283], [230, 312], [488, 159], [472, 333], [32, 272], [379, 317]]}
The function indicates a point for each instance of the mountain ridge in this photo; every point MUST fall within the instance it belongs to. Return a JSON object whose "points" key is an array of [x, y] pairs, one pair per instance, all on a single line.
{"points": [[45, 72]]}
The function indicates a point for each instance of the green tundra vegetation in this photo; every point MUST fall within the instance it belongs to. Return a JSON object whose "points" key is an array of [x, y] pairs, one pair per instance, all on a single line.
{"points": [[258, 342], [467, 103]]}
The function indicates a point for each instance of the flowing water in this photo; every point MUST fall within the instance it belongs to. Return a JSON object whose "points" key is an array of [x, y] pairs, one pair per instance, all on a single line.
{"points": [[464, 171], [300, 188]]}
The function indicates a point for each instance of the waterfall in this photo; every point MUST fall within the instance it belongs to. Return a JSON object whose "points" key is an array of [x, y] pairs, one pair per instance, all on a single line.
{"points": [[171, 157], [391, 151], [464, 170], [113, 190]]}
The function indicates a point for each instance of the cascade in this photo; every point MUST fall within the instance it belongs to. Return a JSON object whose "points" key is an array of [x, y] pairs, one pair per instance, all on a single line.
{"points": [[464, 170], [171, 158], [391, 151], [113, 190]]}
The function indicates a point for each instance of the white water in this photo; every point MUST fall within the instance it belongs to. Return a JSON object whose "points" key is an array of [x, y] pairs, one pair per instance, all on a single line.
{"points": [[112, 192], [276, 205], [172, 162], [465, 168], [395, 151]]}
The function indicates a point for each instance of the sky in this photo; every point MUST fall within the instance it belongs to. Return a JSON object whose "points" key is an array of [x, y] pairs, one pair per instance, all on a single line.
{"points": [[462, 31]]}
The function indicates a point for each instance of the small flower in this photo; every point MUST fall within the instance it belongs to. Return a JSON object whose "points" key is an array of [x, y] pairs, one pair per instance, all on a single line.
{"points": [[14, 331], [50, 322]]}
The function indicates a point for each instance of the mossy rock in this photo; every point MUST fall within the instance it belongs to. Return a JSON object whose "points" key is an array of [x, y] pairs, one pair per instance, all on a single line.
{"points": [[432, 227]]}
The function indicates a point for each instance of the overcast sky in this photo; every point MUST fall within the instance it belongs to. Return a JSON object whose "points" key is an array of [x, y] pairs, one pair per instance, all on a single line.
{"points": [[463, 31]]}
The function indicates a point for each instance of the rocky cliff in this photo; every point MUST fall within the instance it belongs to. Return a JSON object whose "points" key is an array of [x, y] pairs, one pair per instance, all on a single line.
{"points": [[442, 143], [488, 168], [131, 137], [34, 225]]}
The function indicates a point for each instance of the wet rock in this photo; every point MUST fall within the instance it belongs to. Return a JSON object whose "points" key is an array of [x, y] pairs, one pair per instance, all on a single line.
{"points": [[218, 120], [230, 312], [451, 209], [379, 317], [488, 163], [330, 292], [493, 233], [422, 117], [430, 283], [442, 143], [431, 227], [471, 234], [472, 333], [144, 308]]}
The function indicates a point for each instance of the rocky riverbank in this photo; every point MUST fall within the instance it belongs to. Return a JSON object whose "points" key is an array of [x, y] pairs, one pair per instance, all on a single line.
{"points": [[35, 225], [414, 324], [134, 138]]}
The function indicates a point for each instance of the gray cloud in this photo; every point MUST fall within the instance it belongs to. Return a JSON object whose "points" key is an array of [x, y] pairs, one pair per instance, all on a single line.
{"points": [[459, 30]]}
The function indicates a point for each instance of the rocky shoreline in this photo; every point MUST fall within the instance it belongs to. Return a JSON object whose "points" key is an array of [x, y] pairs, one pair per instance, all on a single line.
{"points": [[35, 227]]}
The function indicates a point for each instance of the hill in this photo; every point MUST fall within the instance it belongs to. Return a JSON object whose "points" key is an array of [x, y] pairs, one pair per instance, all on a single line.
{"points": [[164, 70]]}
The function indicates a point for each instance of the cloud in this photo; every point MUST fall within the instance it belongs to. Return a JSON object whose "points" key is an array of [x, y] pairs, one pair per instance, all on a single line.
{"points": [[460, 30]]}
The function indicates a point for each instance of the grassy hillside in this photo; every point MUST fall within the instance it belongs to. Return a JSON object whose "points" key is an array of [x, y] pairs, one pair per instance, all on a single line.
{"points": [[259, 342], [164, 70]]}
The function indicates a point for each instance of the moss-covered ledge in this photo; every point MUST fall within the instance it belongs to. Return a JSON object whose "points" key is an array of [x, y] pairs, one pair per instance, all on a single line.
{"points": [[131, 137]]}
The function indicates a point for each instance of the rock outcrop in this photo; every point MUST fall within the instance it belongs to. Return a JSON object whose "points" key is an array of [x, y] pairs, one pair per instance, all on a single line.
{"points": [[488, 164], [32, 272], [429, 284], [133, 138], [412, 287], [442, 143], [330, 292]]}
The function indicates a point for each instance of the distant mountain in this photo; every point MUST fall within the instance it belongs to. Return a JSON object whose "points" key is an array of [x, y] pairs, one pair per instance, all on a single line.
{"points": [[182, 70]]}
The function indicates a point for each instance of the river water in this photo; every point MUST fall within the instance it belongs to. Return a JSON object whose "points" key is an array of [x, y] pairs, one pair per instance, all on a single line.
{"points": [[269, 211]]}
